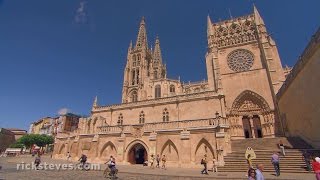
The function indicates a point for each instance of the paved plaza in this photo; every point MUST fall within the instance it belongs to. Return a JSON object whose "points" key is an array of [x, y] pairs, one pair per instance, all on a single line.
{"points": [[126, 172]]}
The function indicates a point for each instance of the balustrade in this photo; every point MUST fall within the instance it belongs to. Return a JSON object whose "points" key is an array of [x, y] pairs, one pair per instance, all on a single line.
{"points": [[180, 125]]}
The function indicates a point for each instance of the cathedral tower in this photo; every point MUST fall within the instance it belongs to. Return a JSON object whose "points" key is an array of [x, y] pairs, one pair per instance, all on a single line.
{"points": [[143, 65], [243, 64]]}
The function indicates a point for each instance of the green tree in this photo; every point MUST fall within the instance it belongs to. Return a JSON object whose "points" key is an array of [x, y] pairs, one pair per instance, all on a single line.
{"points": [[38, 139], [26, 140]]}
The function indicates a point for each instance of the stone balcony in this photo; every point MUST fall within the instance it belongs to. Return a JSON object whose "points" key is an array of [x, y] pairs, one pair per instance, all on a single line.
{"points": [[184, 125]]}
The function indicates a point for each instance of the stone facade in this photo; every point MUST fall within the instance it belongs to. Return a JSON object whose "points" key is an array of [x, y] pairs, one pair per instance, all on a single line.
{"points": [[185, 121], [6, 138], [299, 96], [18, 133], [65, 123]]}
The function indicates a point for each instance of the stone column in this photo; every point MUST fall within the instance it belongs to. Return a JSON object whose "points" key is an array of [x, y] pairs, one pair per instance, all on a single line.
{"points": [[252, 126]]}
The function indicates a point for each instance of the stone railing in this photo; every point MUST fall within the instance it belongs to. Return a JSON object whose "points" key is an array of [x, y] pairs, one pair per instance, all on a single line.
{"points": [[167, 126]]}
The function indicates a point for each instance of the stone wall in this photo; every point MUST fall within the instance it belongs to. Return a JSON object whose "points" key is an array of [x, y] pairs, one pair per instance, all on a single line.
{"points": [[299, 99], [6, 139]]}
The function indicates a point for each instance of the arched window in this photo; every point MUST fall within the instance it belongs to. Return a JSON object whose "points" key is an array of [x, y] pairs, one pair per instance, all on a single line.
{"points": [[133, 79], [141, 117], [196, 90], [172, 89], [120, 119], [134, 61], [137, 76], [165, 115], [138, 60], [134, 96], [158, 91]]}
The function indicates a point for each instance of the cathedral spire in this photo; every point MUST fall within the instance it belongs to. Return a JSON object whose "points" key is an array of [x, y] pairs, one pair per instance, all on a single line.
{"points": [[142, 35], [95, 103], [210, 30], [129, 49], [157, 51], [257, 18]]}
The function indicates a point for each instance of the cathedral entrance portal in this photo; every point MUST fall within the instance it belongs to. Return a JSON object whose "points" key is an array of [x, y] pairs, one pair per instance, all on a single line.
{"points": [[252, 126], [137, 154]]}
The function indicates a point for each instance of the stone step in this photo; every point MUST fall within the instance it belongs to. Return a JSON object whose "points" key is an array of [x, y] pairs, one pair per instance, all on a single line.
{"points": [[264, 148]]}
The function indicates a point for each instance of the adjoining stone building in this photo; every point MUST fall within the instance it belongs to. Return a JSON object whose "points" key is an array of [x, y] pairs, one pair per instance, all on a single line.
{"points": [[64, 123], [6, 139], [18, 133], [299, 99], [164, 116]]}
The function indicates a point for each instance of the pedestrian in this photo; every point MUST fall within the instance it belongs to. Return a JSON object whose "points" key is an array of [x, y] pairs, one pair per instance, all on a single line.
{"points": [[281, 146], [37, 162], [259, 170], [164, 160], [306, 158], [251, 174], [152, 161], [275, 161], [158, 161], [68, 156], [249, 161], [214, 165], [316, 167], [204, 163]]}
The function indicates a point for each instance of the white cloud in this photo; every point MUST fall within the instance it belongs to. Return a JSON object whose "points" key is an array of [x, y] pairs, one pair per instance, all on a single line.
{"points": [[81, 14]]}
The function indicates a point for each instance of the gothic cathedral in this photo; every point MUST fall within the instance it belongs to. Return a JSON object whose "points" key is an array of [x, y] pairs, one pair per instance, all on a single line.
{"points": [[185, 121]]}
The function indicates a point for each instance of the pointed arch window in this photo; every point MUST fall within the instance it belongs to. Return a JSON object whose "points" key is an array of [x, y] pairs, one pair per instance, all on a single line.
{"points": [[158, 91], [137, 78], [165, 115], [134, 96], [120, 119], [172, 88], [138, 59], [134, 61], [133, 77], [141, 118]]}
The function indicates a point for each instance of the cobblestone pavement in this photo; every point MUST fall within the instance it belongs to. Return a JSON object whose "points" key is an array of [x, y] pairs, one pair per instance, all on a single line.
{"points": [[126, 172]]}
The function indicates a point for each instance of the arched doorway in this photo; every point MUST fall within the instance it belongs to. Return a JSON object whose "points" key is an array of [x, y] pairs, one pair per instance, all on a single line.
{"points": [[249, 107], [252, 126], [137, 154]]}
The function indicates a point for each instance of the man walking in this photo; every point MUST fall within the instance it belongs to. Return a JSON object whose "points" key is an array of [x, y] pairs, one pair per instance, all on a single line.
{"points": [[204, 163], [275, 161], [158, 161], [306, 157], [152, 161], [259, 170], [164, 159]]}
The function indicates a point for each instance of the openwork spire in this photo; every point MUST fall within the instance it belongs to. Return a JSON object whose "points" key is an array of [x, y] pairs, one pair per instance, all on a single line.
{"points": [[157, 51], [142, 41], [95, 103]]}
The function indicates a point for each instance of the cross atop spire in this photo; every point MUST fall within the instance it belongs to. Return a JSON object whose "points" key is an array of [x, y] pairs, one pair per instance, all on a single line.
{"points": [[142, 41], [157, 51]]}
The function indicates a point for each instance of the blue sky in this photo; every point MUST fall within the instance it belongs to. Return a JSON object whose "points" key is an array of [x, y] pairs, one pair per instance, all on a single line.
{"points": [[55, 54]]}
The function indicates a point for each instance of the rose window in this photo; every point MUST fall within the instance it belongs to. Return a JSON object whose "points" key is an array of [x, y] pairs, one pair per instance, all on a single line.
{"points": [[240, 60]]}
